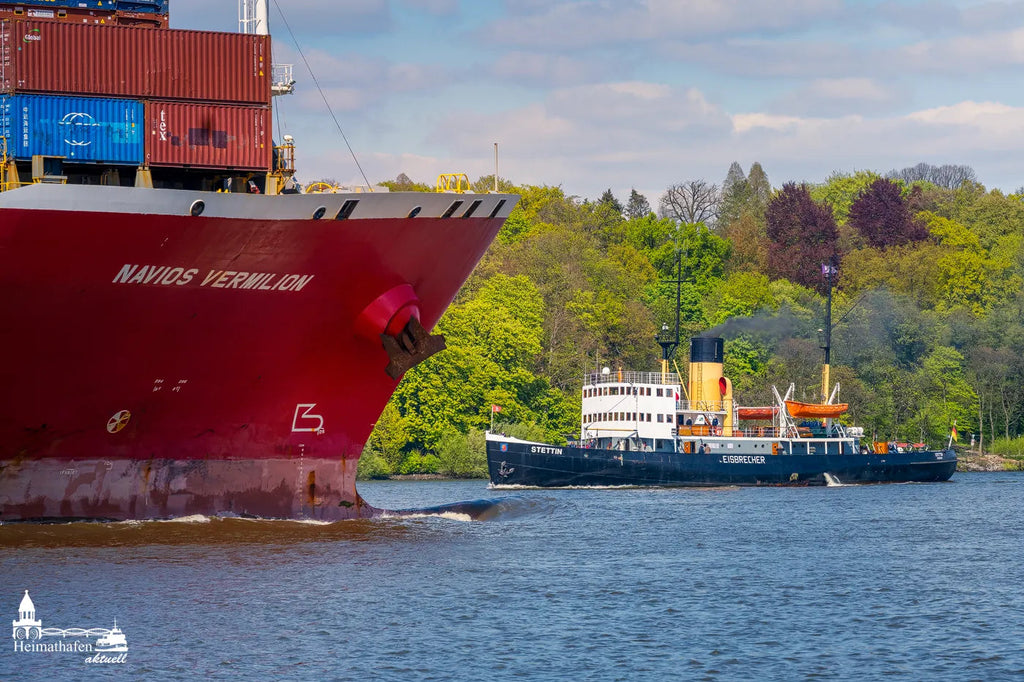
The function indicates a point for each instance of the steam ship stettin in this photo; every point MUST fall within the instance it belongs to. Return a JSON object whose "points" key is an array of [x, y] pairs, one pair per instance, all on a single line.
{"points": [[181, 332], [645, 429]]}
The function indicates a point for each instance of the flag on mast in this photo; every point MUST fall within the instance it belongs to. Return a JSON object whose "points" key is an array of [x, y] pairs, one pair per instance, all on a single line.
{"points": [[954, 434], [495, 408]]}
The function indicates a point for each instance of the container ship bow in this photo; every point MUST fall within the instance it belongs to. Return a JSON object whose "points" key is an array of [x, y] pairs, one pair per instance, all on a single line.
{"points": [[181, 332]]}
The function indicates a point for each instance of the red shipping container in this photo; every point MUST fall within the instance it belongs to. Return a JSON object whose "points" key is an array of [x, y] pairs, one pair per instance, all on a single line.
{"points": [[127, 61], [208, 136]]}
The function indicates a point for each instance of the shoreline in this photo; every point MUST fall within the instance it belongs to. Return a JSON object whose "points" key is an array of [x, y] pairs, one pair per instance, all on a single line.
{"points": [[987, 463]]}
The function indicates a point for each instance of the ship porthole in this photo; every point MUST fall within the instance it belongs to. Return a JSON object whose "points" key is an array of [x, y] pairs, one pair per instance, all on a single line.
{"points": [[320, 212], [198, 206], [415, 212]]}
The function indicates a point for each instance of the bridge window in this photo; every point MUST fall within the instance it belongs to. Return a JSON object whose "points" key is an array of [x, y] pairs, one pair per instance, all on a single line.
{"points": [[668, 418]]}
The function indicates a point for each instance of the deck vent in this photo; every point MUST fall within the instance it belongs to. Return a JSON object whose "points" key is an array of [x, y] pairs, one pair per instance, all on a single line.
{"points": [[500, 205], [346, 209], [197, 208], [472, 209], [451, 209]]}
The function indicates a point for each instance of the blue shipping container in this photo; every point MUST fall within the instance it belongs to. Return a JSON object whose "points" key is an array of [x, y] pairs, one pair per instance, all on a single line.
{"points": [[76, 4], [82, 129], [151, 6]]}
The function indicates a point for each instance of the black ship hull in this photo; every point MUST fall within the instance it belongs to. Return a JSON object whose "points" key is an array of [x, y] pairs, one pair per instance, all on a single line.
{"points": [[517, 463]]}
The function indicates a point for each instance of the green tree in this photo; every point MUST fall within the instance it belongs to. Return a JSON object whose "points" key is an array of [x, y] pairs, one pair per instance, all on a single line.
{"points": [[840, 190], [462, 455], [609, 199], [389, 437], [637, 206]]}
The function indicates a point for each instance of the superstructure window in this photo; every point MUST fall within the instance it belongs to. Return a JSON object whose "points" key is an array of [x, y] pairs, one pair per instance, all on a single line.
{"points": [[661, 418]]}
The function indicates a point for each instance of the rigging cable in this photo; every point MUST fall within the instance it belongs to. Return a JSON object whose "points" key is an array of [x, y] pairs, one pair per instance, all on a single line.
{"points": [[322, 95]]}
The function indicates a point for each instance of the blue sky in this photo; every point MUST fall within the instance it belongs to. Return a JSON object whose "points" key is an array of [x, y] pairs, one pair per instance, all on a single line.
{"points": [[596, 94]]}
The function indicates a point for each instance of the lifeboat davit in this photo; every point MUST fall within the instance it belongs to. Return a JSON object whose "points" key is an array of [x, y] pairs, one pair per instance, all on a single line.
{"points": [[758, 412], [815, 410]]}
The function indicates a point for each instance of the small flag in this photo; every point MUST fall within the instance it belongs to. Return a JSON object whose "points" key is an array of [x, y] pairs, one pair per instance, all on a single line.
{"points": [[495, 408], [827, 270], [954, 433]]}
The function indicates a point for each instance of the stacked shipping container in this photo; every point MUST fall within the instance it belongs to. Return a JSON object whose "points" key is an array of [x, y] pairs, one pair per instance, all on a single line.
{"points": [[81, 129], [150, 13], [147, 6], [204, 97]]}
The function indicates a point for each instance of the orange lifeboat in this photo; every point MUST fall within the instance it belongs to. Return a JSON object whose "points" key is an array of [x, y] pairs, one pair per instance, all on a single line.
{"points": [[758, 412], [815, 410]]}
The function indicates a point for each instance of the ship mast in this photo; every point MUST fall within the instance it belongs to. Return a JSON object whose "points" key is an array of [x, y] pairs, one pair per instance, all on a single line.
{"points": [[669, 342], [828, 270], [254, 19]]}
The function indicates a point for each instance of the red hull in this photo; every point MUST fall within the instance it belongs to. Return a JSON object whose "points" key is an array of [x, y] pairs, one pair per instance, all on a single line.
{"points": [[119, 376]]}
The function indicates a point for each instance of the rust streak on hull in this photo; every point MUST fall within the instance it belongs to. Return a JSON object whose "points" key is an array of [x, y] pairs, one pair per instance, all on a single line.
{"points": [[122, 489]]}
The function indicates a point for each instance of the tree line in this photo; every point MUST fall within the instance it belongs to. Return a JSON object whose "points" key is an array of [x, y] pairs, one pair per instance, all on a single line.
{"points": [[927, 309]]}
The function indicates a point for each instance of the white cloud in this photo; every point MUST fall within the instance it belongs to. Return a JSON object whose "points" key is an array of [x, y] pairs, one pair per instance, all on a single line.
{"points": [[588, 23], [839, 96], [989, 116], [965, 54]]}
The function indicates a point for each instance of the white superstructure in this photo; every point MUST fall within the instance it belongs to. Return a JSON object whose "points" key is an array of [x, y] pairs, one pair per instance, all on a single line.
{"points": [[630, 410]]}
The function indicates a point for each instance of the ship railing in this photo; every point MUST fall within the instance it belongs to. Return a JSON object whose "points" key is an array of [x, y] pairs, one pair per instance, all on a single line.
{"points": [[700, 430], [759, 432], [5, 182], [282, 82], [453, 182], [284, 158], [622, 377], [705, 406]]}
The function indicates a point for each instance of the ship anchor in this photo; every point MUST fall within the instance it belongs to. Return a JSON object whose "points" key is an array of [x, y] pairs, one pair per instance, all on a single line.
{"points": [[410, 347]]}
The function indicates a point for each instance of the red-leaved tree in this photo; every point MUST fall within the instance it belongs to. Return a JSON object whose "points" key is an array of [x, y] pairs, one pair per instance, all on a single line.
{"points": [[883, 216], [802, 235]]}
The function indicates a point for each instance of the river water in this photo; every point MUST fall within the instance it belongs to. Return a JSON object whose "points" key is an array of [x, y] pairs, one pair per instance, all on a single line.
{"points": [[911, 582]]}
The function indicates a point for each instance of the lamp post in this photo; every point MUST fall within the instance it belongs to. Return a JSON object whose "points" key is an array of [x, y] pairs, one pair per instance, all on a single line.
{"points": [[668, 342]]}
